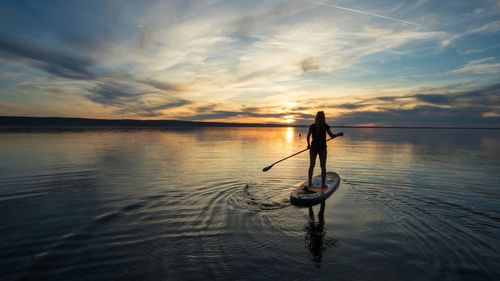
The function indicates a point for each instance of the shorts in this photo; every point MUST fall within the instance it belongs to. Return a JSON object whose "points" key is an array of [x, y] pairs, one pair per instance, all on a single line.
{"points": [[315, 151]]}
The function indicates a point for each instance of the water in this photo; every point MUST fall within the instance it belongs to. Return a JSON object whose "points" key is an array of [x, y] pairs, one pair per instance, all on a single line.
{"points": [[191, 204]]}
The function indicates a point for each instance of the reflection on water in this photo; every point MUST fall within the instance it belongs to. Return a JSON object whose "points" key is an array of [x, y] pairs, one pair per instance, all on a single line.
{"points": [[290, 134], [316, 239], [190, 204]]}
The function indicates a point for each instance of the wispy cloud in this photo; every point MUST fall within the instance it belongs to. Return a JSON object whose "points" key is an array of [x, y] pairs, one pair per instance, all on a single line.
{"points": [[366, 13], [485, 28], [493, 26], [481, 66], [123, 92], [62, 62], [127, 100]]}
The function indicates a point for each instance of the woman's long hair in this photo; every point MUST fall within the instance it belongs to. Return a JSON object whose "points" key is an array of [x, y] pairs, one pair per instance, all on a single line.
{"points": [[320, 122]]}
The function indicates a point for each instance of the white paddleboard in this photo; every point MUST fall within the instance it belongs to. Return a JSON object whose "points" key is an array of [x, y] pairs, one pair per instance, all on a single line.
{"points": [[316, 194]]}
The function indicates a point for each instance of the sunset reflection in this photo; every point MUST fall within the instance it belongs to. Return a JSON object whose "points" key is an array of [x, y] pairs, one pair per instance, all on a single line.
{"points": [[290, 134]]}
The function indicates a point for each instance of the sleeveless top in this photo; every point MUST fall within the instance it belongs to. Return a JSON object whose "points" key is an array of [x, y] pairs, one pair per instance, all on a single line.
{"points": [[318, 138]]}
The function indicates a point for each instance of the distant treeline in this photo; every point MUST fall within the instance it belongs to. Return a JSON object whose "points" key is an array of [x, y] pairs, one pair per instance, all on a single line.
{"points": [[63, 122], [19, 121]]}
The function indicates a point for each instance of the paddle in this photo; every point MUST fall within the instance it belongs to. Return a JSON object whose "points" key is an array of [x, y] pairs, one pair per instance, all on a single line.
{"points": [[270, 166]]}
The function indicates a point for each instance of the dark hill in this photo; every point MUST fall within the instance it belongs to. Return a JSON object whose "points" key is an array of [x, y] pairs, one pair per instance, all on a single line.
{"points": [[18, 121]]}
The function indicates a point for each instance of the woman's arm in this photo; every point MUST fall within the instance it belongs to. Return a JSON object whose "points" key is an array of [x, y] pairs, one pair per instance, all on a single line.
{"points": [[332, 135], [308, 138]]}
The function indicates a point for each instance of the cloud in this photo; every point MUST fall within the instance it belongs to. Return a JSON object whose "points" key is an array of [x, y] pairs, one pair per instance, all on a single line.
{"points": [[58, 62], [217, 111], [113, 94], [309, 64], [493, 26], [114, 88], [129, 100], [490, 27], [153, 110], [270, 114], [481, 66], [422, 116], [459, 104], [434, 98], [348, 106], [165, 86], [443, 106], [227, 114]]}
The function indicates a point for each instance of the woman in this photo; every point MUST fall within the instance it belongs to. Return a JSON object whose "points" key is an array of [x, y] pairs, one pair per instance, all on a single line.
{"points": [[318, 131]]}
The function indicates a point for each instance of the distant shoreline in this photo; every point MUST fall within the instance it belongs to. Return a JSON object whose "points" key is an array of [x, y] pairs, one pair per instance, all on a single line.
{"points": [[23, 122]]}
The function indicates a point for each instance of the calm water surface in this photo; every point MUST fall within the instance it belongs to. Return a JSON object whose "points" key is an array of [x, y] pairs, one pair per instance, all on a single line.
{"points": [[191, 204]]}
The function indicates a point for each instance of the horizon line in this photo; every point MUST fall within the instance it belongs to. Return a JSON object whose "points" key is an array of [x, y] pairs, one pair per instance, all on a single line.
{"points": [[16, 122]]}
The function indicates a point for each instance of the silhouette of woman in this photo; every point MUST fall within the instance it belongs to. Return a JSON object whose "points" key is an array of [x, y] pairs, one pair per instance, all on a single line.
{"points": [[318, 132]]}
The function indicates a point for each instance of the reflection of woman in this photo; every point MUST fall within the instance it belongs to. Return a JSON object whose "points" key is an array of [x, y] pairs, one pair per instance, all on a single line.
{"points": [[318, 132], [315, 239]]}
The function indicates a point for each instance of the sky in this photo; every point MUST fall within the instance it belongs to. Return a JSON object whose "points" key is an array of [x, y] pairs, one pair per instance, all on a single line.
{"points": [[404, 63]]}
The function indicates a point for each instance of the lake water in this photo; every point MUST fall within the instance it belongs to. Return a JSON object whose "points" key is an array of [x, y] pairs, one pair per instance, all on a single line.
{"points": [[193, 204]]}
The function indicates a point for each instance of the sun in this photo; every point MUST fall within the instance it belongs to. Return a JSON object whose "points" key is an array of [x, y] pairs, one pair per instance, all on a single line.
{"points": [[289, 119]]}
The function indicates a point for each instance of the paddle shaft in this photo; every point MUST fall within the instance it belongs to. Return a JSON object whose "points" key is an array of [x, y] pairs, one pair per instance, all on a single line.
{"points": [[270, 166], [289, 157]]}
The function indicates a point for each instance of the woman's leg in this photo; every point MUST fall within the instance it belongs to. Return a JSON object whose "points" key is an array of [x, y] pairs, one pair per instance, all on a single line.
{"points": [[312, 163], [322, 162]]}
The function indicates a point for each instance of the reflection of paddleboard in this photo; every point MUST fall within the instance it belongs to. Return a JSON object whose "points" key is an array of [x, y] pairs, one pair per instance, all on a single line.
{"points": [[301, 197]]}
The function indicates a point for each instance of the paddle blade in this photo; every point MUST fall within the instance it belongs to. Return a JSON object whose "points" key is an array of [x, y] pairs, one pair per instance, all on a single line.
{"points": [[267, 168]]}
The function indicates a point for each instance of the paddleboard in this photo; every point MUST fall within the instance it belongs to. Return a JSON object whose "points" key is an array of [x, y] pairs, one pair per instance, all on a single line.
{"points": [[316, 195]]}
